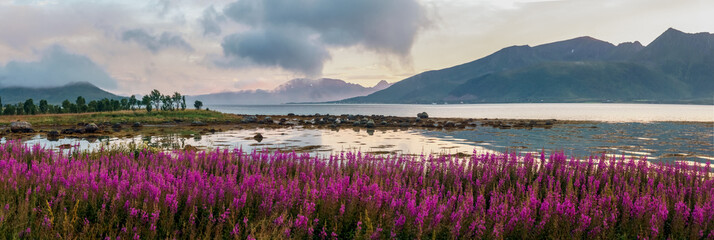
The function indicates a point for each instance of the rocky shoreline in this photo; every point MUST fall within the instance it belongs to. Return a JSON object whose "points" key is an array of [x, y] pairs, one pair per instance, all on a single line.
{"points": [[421, 121]]}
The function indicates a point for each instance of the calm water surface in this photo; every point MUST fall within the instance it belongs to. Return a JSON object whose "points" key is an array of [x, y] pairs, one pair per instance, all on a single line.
{"points": [[661, 141], [609, 112], [626, 129]]}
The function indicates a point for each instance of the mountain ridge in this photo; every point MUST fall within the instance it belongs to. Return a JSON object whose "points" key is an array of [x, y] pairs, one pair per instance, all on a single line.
{"points": [[685, 70], [295, 90], [55, 95]]}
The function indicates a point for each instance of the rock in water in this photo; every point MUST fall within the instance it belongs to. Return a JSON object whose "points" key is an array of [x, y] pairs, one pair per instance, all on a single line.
{"points": [[422, 115], [53, 135], [258, 137], [19, 126], [91, 127]]}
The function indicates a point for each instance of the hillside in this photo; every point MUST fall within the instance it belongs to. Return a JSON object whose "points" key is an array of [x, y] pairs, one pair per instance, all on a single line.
{"points": [[54, 95], [675, 68], [572, 82]]}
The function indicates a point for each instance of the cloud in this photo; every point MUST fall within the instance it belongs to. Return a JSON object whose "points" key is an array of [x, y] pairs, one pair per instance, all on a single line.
{"points": [[388, 27], [290, 50], [210, 21], [56, 67], [156, 43]]}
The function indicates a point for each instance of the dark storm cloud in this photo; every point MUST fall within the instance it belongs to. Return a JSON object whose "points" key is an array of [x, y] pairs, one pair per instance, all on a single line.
{"points": [[382, 26], [156, 43], [210, 21], [56, 67], [287, 49]]}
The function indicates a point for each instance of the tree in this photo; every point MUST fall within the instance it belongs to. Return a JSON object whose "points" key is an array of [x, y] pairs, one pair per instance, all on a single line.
{"points": [[155, 97], [92, 106], [146, 101], [115, 105], [44, 107], [198, 104], [148, 107], [54, 109], [132, 102], [166, 103], [9, 110], [19, 109], [177, 100], [183, 103], [65, 105], [124, 104], [81, 104], [30, 107]]}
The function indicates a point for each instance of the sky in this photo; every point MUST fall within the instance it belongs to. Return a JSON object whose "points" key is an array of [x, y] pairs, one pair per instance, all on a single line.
{"points": [[206, 46]]}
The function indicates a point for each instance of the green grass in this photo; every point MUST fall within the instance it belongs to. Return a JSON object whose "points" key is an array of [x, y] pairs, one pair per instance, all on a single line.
{"points": [[127, 117]]}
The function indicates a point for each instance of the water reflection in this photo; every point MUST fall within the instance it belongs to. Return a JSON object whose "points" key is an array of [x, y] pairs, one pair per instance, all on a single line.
{"points": [[656, 141]]}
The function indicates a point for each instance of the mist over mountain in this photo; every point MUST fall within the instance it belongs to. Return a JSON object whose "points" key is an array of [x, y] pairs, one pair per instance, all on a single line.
{"points": [[676, 67], [294, 91], [55, 95]]}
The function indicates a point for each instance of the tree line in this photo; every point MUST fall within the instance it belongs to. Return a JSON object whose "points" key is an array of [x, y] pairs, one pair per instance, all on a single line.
{"points": [[154, 101]]}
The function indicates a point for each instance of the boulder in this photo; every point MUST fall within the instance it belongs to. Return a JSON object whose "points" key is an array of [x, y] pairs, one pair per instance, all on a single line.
{"points": [[370, 123], [136, 125], [19, 126], [250, 119], [268, 120], [53, 134], [91, 128], [190, 148], [198, 123], [422, 115], [258, 137]]}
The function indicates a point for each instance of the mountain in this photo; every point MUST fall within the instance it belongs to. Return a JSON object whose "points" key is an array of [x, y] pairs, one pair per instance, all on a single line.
{"points": [[54, 95], [572, 82], [296, 90], [688, 57], [675, 67]]}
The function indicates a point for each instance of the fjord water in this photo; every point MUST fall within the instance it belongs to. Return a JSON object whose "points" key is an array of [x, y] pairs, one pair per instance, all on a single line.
{"points": [[619, 129], [607, 112]]}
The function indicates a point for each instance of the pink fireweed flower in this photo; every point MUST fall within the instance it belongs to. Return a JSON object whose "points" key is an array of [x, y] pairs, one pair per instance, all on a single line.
{"points": [[236, 230], [481, 196]]}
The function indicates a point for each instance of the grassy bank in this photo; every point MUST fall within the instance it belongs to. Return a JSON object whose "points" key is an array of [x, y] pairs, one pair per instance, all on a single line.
{"points": [[155, 117], [230, 194]]}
